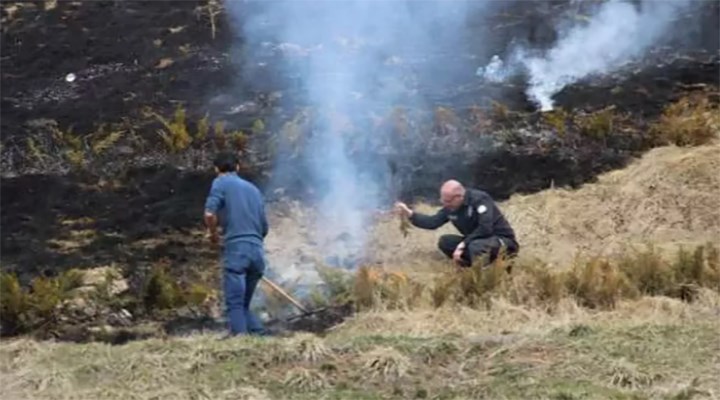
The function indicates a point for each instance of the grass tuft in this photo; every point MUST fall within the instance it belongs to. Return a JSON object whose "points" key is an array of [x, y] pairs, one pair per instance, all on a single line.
{"points": [[628, 375], [304, 379], [385, 363], [304, 347]]}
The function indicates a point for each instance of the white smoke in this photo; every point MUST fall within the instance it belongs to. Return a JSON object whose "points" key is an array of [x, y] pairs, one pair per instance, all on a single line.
{"points": [[616, 34], [348, 57]]}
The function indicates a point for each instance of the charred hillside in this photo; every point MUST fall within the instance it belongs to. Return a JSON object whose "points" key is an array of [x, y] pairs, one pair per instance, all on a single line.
{"points": [[118, 105]]}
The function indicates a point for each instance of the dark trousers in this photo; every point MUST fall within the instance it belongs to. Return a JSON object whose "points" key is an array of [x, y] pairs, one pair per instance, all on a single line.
{"points": [[244, 265], [485, 247]]}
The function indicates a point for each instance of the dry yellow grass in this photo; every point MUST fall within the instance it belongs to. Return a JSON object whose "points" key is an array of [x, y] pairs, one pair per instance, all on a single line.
{"points": [[651, 348], [667, 197]]}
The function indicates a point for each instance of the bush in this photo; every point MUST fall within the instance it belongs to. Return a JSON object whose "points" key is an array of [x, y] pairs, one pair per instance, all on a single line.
{"points": [[160, 291], [471, 286], [558, 120], [375, 287], [691, 121], [599, 284], [649, 272], [23, 310], [597, 125], [13, 304]]}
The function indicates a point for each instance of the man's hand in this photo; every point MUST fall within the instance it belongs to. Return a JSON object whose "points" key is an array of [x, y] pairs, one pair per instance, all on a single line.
{"points": [[402, 209], [211, 224], [457, 254]]}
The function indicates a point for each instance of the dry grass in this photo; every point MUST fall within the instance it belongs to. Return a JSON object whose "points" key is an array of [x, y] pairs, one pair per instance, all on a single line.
{"points": [[667, 347], [386, 363], [595, 283], [374, 287], [306, 348], [667, 197], [691, 121], [304, 379]]}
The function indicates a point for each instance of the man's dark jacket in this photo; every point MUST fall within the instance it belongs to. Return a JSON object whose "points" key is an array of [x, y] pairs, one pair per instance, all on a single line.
{"points": [[477, 218]]}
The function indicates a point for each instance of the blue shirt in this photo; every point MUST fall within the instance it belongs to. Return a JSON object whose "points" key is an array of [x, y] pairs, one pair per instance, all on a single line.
{"points": [[240, 209]]}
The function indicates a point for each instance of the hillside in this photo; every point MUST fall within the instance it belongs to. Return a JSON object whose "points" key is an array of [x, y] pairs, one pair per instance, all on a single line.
{"points": [[667, 198], [595, 125]]}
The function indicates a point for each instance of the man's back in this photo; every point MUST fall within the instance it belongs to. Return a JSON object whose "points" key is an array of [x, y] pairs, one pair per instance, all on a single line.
{"points": [[240, 208]]}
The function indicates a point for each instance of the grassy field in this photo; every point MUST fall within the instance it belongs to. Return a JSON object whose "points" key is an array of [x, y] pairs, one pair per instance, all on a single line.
{"points": [[628, 325], [650, 348]]}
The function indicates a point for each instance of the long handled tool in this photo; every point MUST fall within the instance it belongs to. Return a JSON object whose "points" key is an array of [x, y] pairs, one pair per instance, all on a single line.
{"points": [[285, 294]]}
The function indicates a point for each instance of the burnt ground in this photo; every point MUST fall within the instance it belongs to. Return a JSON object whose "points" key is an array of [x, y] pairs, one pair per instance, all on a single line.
{"points": [[138, 204]]}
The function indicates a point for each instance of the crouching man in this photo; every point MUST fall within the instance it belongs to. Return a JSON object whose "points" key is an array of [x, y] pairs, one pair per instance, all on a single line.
{"points": [[473, 212], [238, 207]]}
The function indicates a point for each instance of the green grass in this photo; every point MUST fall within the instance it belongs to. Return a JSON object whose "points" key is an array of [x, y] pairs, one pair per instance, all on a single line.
{"points": [[591, 361]]}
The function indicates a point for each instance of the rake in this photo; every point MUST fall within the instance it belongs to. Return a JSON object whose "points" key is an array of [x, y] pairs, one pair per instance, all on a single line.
{"points": [[284, 294]]}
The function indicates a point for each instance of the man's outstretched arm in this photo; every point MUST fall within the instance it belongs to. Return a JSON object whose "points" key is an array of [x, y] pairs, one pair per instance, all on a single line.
{"points": [[424, 221]]}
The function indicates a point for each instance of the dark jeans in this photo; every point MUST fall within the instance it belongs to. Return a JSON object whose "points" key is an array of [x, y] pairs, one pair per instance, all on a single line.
{"points": [[477, 248], [244, 265]]}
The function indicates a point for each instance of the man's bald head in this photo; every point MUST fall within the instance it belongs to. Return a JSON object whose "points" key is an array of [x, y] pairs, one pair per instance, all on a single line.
{"points": [[452, 194]]}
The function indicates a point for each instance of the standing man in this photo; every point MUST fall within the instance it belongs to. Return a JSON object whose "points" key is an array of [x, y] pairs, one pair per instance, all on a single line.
{"points": [[473, 212], [238, 207]]}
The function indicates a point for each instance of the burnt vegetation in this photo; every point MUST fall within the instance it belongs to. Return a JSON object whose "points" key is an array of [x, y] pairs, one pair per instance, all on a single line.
{"points": [[97, 168]]}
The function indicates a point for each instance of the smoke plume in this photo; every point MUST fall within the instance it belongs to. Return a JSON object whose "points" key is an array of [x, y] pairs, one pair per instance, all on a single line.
{"points": [[347, 61], [616, 34]]}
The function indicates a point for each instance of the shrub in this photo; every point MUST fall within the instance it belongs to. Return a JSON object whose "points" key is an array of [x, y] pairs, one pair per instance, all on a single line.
{"points": [[557, 119], [23, 310], [375, 287], [13, 304], [338, 283], [690, 121], [596, 125], [160, 291], [445, 121], [696, 269], [499, 112], [476, 284], [175, 135], [598, 284], [536, 284], [649, 272], [471, 286]]}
